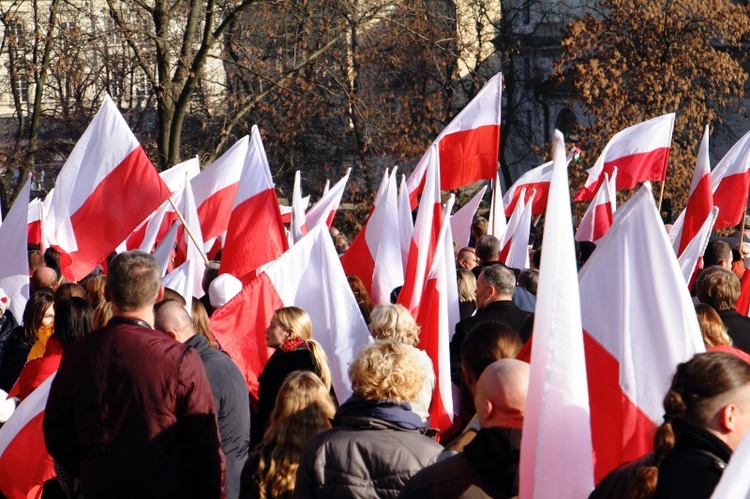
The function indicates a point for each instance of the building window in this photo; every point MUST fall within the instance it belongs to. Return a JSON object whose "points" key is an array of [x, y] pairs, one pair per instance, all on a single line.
{"points": [[21, 85]]}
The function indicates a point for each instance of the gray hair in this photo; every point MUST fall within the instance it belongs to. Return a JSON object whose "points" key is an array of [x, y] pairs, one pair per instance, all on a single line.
{"points": [[501, 278]]}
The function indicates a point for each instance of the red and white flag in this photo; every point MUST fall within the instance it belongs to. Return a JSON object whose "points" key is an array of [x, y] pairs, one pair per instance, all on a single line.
{"points": [[518, 252], [462, 219], [215, 189], [34, 221], [438, 314], [308, 276], [468, 146], [424, 239], [700, 202], [693, 252], [326, 207], [25, 463], [188, 249], [730, 180], [512, 227], [640, 152], [14, 265], [286, 211], [497, 223], [298, 226], [537, 178], [556, 449], [105, 189], [255, 235], [164, 252], [598, 217], [151, 230], [639, 323], [378, 260]]}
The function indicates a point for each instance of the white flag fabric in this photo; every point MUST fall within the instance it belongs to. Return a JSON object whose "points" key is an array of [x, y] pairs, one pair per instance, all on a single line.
{"points": [[537, 178], [181, 280], [518, 253], [189, 248], [388, 269], [298, 227], [556, 449], [462, 219], [163, 252], [405, 222], [735, 480], [697, 246], [14, 265], [512, 226], [639, 323], [599, 215], [497, 222], [326, 207]]}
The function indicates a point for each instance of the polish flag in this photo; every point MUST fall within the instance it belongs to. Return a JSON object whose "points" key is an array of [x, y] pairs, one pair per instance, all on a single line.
{"points": [[512, 227], [164, 252], [286, 211], [556, 449], [693, 252], [405, 221], [438, 314], [424, 240], [298, 227], [308, 276], [730, 181], [639, 323], [537, 178], [462, 219], [598, 217], [640, 152], [700, 202], [34, 221], [25, 463], [497, 223], [255, 235], [518, 251], [215, 189], [379, 259], [326, 207], [359, 259], [14, 270], [468, 146], [105, 189], [157, 224]]}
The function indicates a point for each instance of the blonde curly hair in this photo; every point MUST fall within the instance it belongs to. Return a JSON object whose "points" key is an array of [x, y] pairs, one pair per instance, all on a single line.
{"points": [[387, 370], [303, 408], [394, 322]]}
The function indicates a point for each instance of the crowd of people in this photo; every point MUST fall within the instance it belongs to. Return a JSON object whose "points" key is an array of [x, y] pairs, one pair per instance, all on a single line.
{"points": [[145, 403]]}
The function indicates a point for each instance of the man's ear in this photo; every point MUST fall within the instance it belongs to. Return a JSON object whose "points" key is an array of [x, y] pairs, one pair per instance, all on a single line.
{"points": [[727, 418], [160, 294]]}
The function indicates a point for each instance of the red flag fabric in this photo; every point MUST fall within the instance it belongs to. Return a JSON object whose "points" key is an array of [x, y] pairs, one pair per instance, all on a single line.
{"points": [[255, 235], [598, 217], [439, 298], [730, 181], [639, 323], [700, 202], [468, 146], [640, 153], [743, 303], [34, 222], [308, 276], [105, 189], [25, 463], [537, 178]]}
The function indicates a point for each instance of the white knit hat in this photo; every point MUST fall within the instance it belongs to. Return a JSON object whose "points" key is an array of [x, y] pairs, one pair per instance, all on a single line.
{"points": [[222, 289]]}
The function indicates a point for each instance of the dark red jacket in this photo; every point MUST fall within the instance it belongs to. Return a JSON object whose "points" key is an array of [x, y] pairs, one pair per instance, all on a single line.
{"points": [[130, 412]]}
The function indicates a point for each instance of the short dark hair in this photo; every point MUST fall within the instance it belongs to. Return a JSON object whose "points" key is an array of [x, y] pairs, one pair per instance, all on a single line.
{"points": [[73, 319], [716, 251], [486, 343], [487, 248], [34, 312], [133, 280]]}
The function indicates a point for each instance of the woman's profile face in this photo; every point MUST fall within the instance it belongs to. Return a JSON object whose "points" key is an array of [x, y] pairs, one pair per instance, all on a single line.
{"points": [[49, 316], [275, 333]]}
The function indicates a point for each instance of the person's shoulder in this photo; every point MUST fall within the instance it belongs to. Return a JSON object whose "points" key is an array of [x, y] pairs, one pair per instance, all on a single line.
{"points": [[436, 479]]}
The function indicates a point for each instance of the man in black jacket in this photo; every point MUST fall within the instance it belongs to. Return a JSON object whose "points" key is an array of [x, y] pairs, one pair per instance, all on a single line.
{"points": [[488, 465], [495, 288], [227, 385]]}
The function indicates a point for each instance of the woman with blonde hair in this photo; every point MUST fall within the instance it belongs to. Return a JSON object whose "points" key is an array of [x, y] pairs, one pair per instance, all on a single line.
{"points": [[376, 443], [303, 409], [715, 335], [290, 333], [394, 322]]}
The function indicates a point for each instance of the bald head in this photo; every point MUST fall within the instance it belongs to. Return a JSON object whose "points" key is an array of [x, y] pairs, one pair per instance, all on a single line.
{"points": [[501, 394], [44, 277], [173, 319]]}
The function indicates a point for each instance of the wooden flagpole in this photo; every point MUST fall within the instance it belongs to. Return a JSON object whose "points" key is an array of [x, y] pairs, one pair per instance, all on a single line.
{"points": [[189, 232]]}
